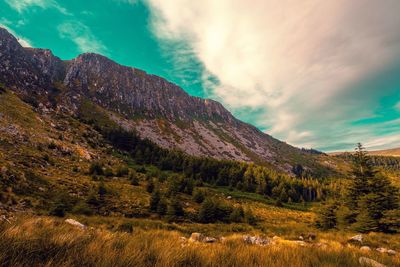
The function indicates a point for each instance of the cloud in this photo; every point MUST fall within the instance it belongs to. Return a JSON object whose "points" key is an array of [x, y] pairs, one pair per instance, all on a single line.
{"points": [[82, 36], [22, 40], [22, 5], [397, 106], [290, 59]]}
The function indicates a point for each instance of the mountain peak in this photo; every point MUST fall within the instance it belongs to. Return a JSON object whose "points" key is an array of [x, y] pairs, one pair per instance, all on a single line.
{"points": [[152, 106]]}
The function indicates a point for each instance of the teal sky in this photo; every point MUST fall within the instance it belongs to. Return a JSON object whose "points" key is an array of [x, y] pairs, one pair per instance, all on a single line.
{"points": [[325, 87]]}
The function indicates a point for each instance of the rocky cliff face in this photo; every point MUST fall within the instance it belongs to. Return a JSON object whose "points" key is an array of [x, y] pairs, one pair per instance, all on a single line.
{"points": [[154, 107]]}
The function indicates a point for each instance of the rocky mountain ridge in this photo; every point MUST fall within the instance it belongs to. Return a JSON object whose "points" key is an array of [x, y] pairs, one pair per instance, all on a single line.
{"points": [[157, 109]]}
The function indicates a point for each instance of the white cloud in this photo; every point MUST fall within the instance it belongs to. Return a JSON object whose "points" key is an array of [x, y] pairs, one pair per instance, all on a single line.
{"points": [[82, 36], [397, 106], [289, 58], [22, 5], [22, 40]]}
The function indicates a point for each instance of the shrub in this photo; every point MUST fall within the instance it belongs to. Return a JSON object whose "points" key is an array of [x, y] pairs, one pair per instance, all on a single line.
{"points": [[108, 172], [198, 196], [96, 168], [122, 171], [133, 177], [162, 207], [154, 200], [175, 208], [150, 186]]}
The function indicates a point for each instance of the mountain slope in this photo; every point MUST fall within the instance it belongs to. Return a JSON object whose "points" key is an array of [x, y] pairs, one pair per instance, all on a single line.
{"points": [[155, 108]]}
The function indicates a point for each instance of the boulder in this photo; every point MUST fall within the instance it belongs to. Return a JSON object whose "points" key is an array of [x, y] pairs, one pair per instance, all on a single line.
{"points": [[309, 236], [382, 250], [196, 237], [365, 249], [357, 239], [75, 223], [256, 240], [208, 239], [391, 252], [370, 262], [275, 238], [229, 197]]}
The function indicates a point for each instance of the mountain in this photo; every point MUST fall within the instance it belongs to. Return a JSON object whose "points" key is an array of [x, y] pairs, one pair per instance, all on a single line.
{"points": [[393, 152], [93, 86]]}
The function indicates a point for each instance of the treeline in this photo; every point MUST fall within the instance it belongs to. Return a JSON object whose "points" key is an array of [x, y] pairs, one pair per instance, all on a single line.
{"points": [[385, 162], [370, 203], [243, 176]]}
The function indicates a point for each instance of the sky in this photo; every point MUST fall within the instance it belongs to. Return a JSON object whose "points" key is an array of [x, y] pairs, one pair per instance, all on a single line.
{"points": [[316, 74]]}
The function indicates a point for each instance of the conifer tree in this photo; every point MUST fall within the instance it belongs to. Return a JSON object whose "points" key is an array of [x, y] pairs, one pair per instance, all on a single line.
{"points": [[154, 200]]}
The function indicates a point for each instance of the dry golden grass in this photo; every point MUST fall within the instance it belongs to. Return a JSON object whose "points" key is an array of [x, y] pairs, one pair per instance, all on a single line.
{"points": [[48, 242]]}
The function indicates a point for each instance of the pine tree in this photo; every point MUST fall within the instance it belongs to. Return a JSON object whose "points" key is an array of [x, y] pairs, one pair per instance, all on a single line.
{"points": [[237, 215], [154, 200], [133, 177], [175, 208], [327, 216], [370, 195], [208, 211], [162, 206], [150, 186], [198, 196]]}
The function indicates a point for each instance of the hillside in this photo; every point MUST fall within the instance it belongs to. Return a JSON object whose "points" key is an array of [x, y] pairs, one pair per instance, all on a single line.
{"points": [[394, 152], [105, 165], [153, 107]]}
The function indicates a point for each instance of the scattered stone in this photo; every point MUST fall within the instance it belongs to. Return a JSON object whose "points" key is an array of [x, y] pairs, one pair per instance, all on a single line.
{"points": [[256, 240], [75, 223], [229, 197], [391, 252], [311, 236], [208, 239], [365, 249], [370, 262], [382, 250], [196, 237], [357, 239]]}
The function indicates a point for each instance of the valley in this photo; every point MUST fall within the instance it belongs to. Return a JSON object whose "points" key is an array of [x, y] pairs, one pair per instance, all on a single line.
{"points": [[105, 165]]}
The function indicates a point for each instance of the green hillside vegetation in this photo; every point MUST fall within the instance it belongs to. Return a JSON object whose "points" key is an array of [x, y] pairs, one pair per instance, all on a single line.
{"points": [[138, 200]]}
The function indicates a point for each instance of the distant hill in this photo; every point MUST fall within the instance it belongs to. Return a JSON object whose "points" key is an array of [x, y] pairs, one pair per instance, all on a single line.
{"points": [[393, 152]]}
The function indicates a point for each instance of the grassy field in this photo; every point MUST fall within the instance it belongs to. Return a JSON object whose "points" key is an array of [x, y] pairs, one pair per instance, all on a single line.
{"points": [[44, 241], [45, 161]]}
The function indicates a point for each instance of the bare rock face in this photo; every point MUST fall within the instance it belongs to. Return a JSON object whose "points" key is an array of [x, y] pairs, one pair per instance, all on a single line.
{"points": [[157, 109]]}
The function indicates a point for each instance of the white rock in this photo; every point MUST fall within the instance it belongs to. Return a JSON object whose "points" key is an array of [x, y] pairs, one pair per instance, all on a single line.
{"points": [[370, 262], [391, 252], [356, 239], [208, 239], [256, 240], [365, 249], [196, 237], [75, 223], [382, 250]]}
